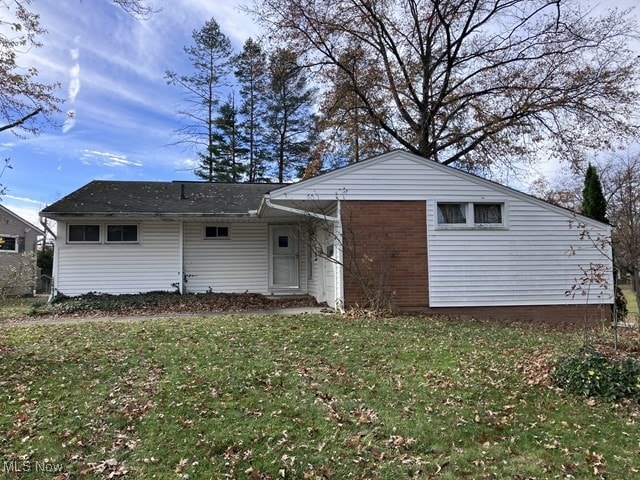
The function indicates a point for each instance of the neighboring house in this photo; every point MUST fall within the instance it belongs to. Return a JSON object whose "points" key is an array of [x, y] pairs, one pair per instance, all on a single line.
{"points": [[17, 236], [433, 238]]}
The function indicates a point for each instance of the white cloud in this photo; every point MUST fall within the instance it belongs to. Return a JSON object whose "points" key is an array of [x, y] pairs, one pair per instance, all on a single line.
{"points": [[107, 159], [185, 164], [70, 122], [24, 200], [74, 82], [75, 52]]}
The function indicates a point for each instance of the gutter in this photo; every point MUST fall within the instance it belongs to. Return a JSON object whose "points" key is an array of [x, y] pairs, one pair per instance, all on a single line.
{"points": [[54, 215], [298, 211]]}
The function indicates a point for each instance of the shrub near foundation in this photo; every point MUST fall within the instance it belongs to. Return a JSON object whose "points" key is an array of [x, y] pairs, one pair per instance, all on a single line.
{"points": [[589, 373]]}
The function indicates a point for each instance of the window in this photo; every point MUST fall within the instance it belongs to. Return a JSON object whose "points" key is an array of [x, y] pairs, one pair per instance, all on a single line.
{"points": [[470, 215], [84, 233], [216, 232], [8, 244], [122, 233], [452, 213], [487, 213], [330, 250]]}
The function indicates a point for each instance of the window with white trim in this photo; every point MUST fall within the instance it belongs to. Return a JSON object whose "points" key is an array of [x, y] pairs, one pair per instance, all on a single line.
{"points": [[122, 233], [216, 231], [470, 215], [487, 214], [9, 243], [83, 234], [452, 213]]}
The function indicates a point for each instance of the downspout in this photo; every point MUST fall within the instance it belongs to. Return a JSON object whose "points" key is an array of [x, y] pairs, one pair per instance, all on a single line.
{"points": [[56, 260], [54, 269], [44, 224]]}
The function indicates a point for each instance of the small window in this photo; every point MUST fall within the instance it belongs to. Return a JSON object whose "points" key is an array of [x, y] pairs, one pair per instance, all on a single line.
{"points": [[283, 241], [452, 213], [122, 233], [216, 232], [8, 244], [487, 213], [469, 215], [330, 250], [84, 233]]}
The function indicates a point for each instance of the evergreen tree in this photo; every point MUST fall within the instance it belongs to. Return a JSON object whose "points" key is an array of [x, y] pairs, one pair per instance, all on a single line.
{"points": [[209, 55], [290, 123], [594, 205], [228, 151], [251, 74]]}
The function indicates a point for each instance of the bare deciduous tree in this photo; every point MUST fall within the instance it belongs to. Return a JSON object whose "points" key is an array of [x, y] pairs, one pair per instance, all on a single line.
{"points": [[621, 180], [476, 82]]}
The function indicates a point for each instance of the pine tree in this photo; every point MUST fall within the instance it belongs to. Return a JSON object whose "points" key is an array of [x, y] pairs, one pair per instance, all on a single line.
{"points": [[209, 55], [290, 123], [228, 153], [251, 74], [594, 205]]}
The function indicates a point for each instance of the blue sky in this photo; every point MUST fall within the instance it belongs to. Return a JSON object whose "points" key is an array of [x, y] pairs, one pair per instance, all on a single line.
{"points": [[111, 68]]}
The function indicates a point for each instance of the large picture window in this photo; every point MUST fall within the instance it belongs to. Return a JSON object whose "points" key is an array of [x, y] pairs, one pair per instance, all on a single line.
{"points": [[122, 233], [84, 233]]}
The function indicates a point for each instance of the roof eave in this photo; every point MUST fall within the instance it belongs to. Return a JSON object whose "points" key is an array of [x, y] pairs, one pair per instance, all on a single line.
{"points": [[151, 215]]}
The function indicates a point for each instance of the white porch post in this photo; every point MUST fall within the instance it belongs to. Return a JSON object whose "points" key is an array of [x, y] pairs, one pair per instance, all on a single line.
{"points": [[339, 269], [181, 285]]}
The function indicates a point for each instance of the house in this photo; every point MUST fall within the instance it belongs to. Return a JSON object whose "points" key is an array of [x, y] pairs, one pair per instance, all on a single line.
{"points": [[422, 235], [17, 236]]}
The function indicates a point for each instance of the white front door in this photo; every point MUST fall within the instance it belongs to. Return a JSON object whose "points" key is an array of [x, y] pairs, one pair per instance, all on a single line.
{"points": [[284, 258]]}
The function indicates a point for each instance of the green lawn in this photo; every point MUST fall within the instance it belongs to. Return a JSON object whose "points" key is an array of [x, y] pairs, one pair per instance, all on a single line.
{"points": [[15, 307], [300, 397], [632, 305]]}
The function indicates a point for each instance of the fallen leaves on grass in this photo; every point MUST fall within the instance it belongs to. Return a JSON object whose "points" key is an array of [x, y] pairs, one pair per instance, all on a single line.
{"points": [[165, 303]]}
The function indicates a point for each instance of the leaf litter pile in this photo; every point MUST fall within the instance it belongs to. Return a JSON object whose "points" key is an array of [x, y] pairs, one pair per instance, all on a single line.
{"points": [[159, 303], [309, 396]]}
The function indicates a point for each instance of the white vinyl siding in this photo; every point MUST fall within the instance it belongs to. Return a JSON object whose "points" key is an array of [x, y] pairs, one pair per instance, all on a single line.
{"points": [[238, 264], [528, 264], [526, 261], [152, 264]]}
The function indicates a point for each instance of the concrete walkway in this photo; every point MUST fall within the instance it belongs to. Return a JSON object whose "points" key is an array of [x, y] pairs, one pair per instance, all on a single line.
{"points": [[159, 316]]}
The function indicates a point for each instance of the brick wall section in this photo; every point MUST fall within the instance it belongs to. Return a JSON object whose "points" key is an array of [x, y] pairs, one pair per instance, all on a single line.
{"points": [[388, 240]]}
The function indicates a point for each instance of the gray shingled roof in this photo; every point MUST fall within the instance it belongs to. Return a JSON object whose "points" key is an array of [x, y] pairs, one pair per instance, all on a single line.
{"points": [[160, 198]]}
